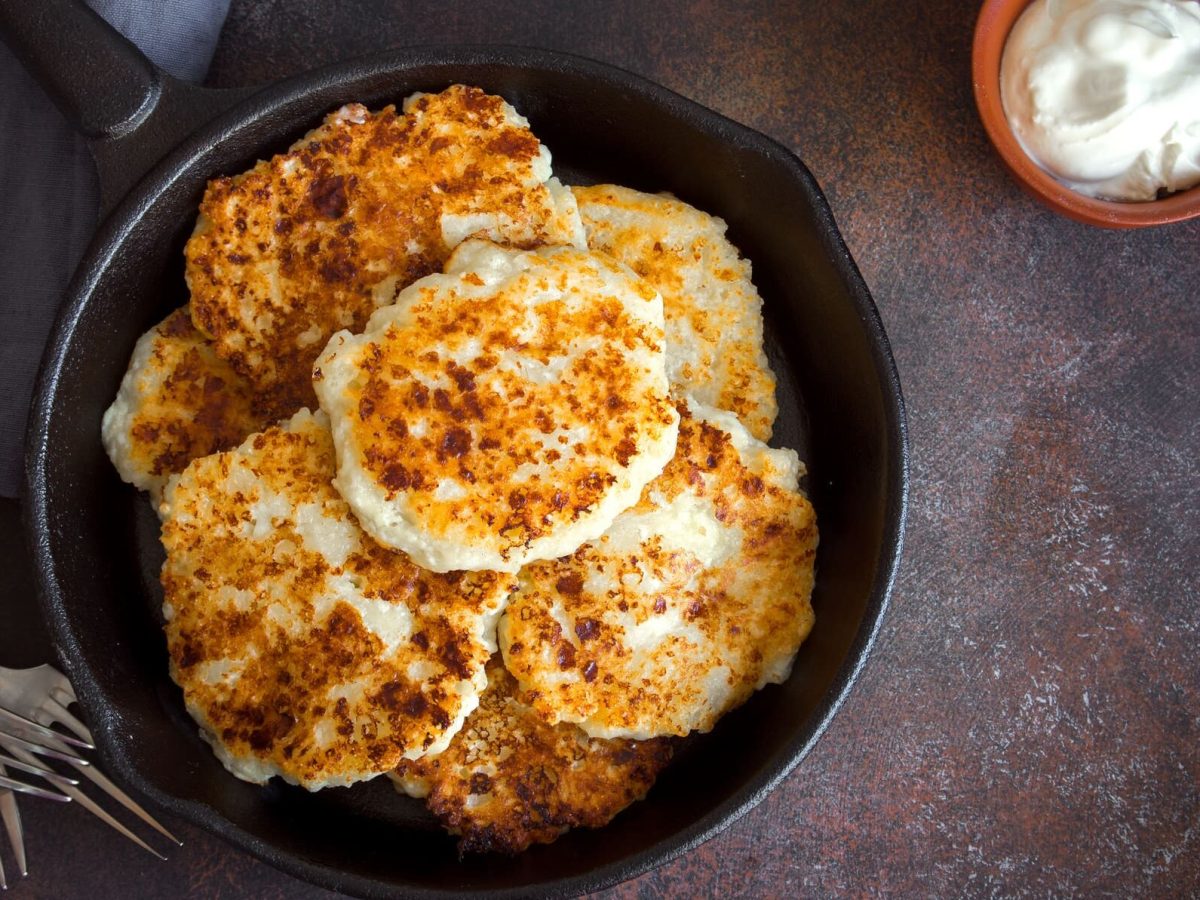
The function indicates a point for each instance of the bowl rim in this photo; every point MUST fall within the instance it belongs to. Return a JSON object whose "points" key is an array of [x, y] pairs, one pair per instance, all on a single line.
{"points": [[995, 21]]}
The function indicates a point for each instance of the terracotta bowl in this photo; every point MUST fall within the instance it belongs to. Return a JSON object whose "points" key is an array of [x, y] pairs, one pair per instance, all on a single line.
{"points": [[996, 19]]}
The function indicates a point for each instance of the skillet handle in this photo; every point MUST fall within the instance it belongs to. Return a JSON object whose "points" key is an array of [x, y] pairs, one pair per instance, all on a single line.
{"points": [[101, 82], [130, 111]]}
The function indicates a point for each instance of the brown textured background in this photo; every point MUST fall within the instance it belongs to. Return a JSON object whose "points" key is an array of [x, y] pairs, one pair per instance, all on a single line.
{"points": [[1029, 723]]}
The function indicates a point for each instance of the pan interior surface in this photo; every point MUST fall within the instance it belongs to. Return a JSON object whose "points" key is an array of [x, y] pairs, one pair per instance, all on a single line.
{"points": [[97, 539]]}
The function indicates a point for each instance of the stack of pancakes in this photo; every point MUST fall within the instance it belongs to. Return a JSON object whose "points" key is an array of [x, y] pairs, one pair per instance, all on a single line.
{"points": [[463, 473]]}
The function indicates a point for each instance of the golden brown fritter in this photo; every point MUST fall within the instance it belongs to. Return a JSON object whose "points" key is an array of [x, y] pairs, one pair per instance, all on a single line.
{"points": [[692, 600], [713, 311], [502, 412], [178, 401], [314, 239], [509, 780], [304, 649]]}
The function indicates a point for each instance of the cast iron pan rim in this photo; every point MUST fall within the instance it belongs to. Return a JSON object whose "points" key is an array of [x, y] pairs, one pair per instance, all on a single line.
{"points": [[275, 99]]}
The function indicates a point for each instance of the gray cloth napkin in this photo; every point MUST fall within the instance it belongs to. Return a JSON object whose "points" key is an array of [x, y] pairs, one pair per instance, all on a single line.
{"points": [[49, 197]]}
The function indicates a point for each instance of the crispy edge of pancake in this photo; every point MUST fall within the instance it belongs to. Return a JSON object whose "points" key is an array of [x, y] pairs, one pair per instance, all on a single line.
{"points": [[713, 311], [509, 780], [177, 402]]}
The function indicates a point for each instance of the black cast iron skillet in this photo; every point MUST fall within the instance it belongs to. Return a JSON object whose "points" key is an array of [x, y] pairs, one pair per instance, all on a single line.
{"points": [[156, 142]]}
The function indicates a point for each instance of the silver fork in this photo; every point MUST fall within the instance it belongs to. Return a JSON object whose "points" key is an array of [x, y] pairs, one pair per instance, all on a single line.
{"points": [[24, 733], [30, 701]]}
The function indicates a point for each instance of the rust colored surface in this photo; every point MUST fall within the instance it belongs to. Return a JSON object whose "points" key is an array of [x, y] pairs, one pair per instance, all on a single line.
{"points": [[1028, 724]]}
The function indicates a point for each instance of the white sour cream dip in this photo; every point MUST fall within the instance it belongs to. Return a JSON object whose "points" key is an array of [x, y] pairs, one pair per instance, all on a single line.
{"points": [[1105, 94]]}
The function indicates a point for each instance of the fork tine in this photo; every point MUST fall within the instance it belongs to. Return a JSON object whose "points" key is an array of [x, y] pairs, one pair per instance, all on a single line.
{"points": [[8, 718], [47, 774], [58, 711], [13, 785], [101, 781], [90, 805], [3, 883], [12, 824], [87, 803], [64, 694], [12, 741]]}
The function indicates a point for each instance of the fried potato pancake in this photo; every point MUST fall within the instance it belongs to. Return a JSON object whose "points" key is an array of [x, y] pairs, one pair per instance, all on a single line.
{"points": [[503, 412], [178, 401], [304, 649], [692, 600], [509, 780], [314, 239], [713, 311]]}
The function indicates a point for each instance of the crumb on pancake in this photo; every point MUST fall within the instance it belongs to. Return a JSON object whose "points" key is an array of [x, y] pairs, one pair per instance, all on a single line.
{"points": [[503, 412], [304, 649], [692, 600], [314, 239], [713, 311], [178, 401], [509, 780]]}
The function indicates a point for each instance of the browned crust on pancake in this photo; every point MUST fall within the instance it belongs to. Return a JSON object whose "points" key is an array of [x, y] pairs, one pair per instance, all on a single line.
{"points": [[201, 405], [269, 713], [509, 780], [486, 456]]}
